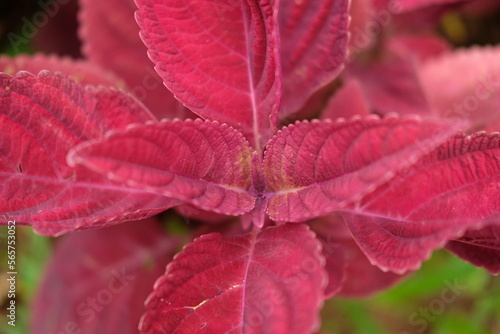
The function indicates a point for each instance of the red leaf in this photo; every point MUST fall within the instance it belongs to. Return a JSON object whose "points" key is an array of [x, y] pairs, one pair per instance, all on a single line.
{"points": [[349, 271], [410, 5], [479, 247], [401, 245], [348, 101], [80, 71], [460, 171], [270, 281], [190, 212], [392, 85], [478, 8], [452, 189], [94, 286], [111, 39], [41, 119], [58, 32], [315, 168], [201, 163], [313, 47], [474, 94], [361, 12], [420, 47], [218, 58], [328, 231]]}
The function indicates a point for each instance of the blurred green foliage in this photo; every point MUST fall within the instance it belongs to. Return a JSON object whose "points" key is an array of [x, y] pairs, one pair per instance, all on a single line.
{"points": [[32, 253], [475, 309]]}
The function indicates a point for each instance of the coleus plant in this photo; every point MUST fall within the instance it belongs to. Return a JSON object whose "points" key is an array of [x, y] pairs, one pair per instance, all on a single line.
{"points": [[78, 157]]}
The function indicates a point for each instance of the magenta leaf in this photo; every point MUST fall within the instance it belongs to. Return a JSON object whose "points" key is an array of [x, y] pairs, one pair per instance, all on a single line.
{"points": [[479, 247], [81, 71], [434, 201], [43, 117], [348, 101], [313, 47], [270, 281], [201, 163], [219, 58], [399, 245], [474, 94], [93, 285], [360, 13], [419, 47], [315, 168], [349, 271], [445, 188], [392, 85], [114, 43]]}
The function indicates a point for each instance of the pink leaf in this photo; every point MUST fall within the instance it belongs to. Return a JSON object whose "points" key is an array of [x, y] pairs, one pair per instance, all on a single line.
{"points": [[111, 39], [474, 94], [400, 245], [481, 248], [81, 71], [360, 13], [464, 169], [313, 47], [315, 168], [349, 271], [94, 286], [348, 101], [218, 58], [41, 119], [328, 231], [452, 189], [270, 281], [419, 47], [201, 163], [392, 85]]}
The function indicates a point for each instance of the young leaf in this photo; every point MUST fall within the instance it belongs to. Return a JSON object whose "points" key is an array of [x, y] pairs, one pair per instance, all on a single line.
{"points": [[313, 47], [219, 58], [315, 168], [41, 118], [94, 286], [201, 163], [451, 190], [270, 281], [479, 247], [105, 42]]}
